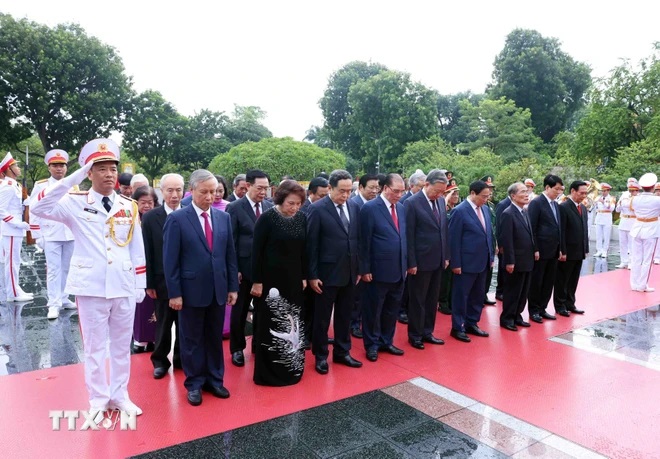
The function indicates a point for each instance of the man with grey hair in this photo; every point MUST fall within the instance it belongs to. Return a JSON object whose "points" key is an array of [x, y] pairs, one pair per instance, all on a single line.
{"points": [[239, 186], [201, 274], [428, 255], [139, 180], [171, 186]]}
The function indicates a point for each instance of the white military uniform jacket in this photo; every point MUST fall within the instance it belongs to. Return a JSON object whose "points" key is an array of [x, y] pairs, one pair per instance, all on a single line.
{"points": [[646, 207], [627, 216], [11, 208], [604, 208], [100, 266], [50, 230]]}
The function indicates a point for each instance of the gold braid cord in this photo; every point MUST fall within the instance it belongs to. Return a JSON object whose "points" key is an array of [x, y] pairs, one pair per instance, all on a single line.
{"points": [[111, 221]]}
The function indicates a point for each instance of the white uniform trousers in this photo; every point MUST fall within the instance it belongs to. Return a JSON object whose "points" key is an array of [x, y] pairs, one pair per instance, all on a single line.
{"points": [[102, 319], [625, 244], [642, 255], [11, 246], [3, 291], [58, 258], [603, 233]]}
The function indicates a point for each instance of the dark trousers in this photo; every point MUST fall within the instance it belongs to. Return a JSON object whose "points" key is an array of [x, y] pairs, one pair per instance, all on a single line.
{"points": [[489, 279], [405, 298], [444, 298], [543, 281], [356, 313], [380, 309], [165, 317], [501, 277], [201, 345], [342, 298], [238, 318], [516, 289], [307, 313], [424, 289], [467, 299], [566, 282]]}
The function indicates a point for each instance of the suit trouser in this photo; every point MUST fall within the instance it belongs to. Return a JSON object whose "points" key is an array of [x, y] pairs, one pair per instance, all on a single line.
{"points": [[58, 258], [501, 276], [424, 289], [566, 282], [516, 289], [308, 312], [405, 297], [165, 317], [380, 308], [625, 246], [342, 298], [543, 281], [356, 314], [238, 317], [11, 245], [489, 279], [100, 319], [200, 332], [642, 256], [444, 297], [603, 233], [467, 299]]}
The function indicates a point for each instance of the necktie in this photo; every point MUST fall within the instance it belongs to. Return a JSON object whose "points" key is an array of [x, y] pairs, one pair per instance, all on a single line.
{"points": [[554, 210], [207, 230], [394, 217], [435, 210], [481, 217], [106, 203], [256, 209], [342, 217], [524, 216], [579, 209]]}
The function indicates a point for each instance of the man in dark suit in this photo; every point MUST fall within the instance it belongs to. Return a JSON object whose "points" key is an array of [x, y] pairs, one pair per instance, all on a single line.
{"points": [[471, 256], [543, 213], [415, 182], [501, 207], [383, 266], [518, 252], [171, 186], [244, 213], [239, 187], [574, 249], [317, 190], [202, 278], [428, 255], [332, 252]]}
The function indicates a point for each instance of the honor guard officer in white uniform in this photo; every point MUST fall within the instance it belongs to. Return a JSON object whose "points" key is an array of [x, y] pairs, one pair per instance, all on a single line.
{"points": [[54, 238], [13, 228], [646, 207], [627, 218], [3, 292], [107, 273], [605, 205]]}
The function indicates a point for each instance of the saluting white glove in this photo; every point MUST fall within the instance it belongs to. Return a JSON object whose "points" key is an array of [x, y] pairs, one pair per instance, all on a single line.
{"points": [[22, 225], [139, 295], [78, 176]]}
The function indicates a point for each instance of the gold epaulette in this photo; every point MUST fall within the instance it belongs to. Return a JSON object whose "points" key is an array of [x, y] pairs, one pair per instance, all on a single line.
{"points": [[126, 198], [78, 192], [41, 181]]}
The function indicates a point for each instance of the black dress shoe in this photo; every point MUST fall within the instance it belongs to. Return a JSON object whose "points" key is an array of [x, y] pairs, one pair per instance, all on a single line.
{"points": [[522, 323], [548, 316], [499, 297], [575, 310], [460, 335], [356, 332], [372, 355], [321, 367], [432, 339], [564, 313], [216, 391], [347, 360], [391, 349], [195, 397], [403, 318], [537, 318], [160, 372], [416, 343], [237, 358], [489, 302], [474, 330], [444, 310], [509, 327]]}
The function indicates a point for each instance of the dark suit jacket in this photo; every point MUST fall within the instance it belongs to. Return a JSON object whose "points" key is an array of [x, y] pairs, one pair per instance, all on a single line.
{"points": [[546, 230], [516, 240], [574, 230], [192, 270], [383, 249], [409, 194], [305, 206], [186, 201], [357, 200], [332, 252], [152, 233], [471, 248], [501, 207], [243, 219], [428, 238], [231, 197]]}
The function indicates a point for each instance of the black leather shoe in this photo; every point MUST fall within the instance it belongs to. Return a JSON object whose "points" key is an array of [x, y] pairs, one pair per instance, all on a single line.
{"points": [[391, 349], [499, 297], [522, 323], [445, 310], [416, 343], [216, 391], [356, 332], [576, 310], [160, 372], [537, 318], [347, 360], [237, 358], [432, 339], [489, 302], [474, 330], [195, 397], [321, 367], [460, 335], [564, 313], [509, 327], [548, 316], [372, 355], [403, 318]]}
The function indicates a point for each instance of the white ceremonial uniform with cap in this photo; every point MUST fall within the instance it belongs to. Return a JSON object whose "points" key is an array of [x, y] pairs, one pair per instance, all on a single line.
{"points": [[626, 220], [646, 207], [3, 292], [603, 221], [107, 274]]}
